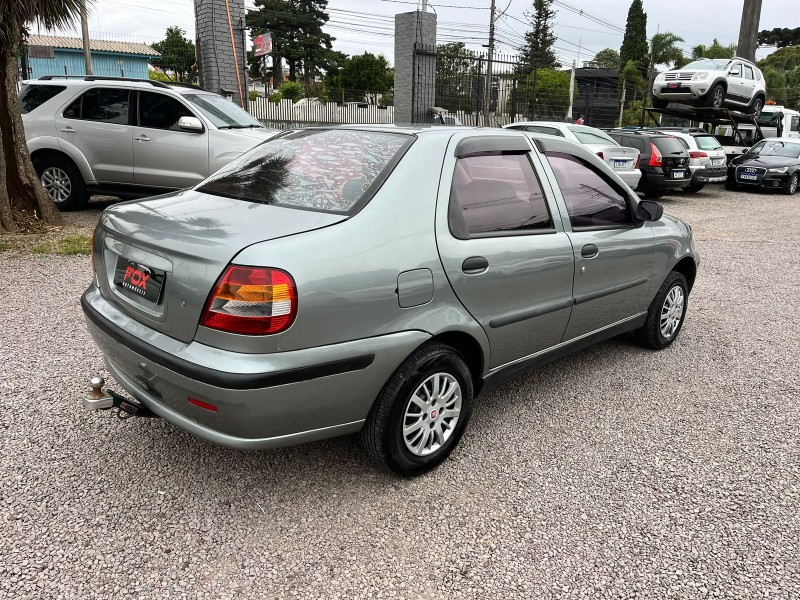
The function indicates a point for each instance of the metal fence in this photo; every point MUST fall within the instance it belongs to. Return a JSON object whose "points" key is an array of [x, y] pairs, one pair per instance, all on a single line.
{"points": [[287, 114]]}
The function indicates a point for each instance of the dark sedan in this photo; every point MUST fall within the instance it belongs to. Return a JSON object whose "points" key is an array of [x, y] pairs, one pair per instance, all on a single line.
{"points": [[771, 164]]}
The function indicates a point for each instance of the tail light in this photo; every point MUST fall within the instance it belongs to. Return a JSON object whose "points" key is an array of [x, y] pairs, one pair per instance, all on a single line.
{"points": [[656, 160], [638, 160], [600, 154], [252, 301], [697, 154]]}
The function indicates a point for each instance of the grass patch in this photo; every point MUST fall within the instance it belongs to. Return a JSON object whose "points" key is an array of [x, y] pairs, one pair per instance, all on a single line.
{"points": [[66, 246], [4, 246]]}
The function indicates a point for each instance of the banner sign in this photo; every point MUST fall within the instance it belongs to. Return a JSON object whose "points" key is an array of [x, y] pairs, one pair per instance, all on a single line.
{"points": [[262, 44]]}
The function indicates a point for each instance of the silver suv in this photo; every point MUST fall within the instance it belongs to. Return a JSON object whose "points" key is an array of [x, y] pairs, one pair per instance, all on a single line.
{"points": [[129, 137], [718, 82]]}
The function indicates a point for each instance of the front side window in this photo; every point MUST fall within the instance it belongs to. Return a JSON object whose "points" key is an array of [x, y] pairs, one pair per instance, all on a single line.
{"points": [[160, 112], [591, 200], [33, 96], [223, 113], [326, 170], [106, 105], [494, 193]]}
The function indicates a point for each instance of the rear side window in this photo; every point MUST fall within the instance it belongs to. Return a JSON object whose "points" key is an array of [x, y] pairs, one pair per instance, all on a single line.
{"points": [[795, 126], [748, 72], [33, 96], [634, 142], [105, 105], [591, 200], [495, 193], [325, 170]]}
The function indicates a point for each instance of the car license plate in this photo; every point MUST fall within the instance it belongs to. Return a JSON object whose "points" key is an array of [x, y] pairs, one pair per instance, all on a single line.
{"points": [[620, 164], [673, 85], [678, 174], [718, 161], [748, 177], [139, 280]]}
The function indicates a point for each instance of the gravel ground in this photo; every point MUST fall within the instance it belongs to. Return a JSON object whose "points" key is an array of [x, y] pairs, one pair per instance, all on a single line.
{"points": [[612, 473]]}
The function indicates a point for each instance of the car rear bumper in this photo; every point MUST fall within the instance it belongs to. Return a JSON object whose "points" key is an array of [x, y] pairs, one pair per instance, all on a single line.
{"points": [[630, 177], [657, 181], [261, 400]]}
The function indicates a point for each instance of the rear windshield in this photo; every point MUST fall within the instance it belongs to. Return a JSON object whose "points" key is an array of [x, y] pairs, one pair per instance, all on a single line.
{"points": [[33, 96], [669, 145], [325, 170], [707, 142], [591, 136]]}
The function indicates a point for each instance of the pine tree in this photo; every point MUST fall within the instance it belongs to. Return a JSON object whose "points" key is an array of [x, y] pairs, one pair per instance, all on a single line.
{"points": [[634, 45], [537, 51]]}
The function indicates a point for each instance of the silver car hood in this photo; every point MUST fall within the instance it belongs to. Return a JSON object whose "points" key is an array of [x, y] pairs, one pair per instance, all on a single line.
{"points": [[192, 237]]}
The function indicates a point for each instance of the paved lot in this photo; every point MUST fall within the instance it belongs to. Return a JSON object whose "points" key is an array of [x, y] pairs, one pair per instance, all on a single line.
{"points": [[615, 472]]}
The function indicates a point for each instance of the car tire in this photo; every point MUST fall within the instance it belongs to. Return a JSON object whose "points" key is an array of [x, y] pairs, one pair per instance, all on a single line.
{"points": [[62, 181], [434, 376], [659, 103], [756, 107], [693, 189], [666, 313], [654, 193], [716, 96], [791, 185]]}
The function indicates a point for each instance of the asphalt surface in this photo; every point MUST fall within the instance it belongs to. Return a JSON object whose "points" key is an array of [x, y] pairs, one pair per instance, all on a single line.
{"points": [[612, 473]]}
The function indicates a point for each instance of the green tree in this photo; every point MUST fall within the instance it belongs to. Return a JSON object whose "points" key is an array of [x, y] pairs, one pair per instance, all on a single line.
{"points": [[552, 94], [291, 90], [537, 50], [663, 51], [780, 37], [297, 35], [22, 197], [456, 70], [634, 43], [177, 53], [775, 82], [368, 74], [715, 50], [607, 59], [782, 74]]}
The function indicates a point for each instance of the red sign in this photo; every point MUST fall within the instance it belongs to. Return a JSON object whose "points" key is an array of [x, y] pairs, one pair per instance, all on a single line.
{"points": [[262, 44]]}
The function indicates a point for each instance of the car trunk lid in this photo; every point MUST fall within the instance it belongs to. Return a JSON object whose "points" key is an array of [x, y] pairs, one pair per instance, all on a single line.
{"points": [[161, 257], [619, 158]]}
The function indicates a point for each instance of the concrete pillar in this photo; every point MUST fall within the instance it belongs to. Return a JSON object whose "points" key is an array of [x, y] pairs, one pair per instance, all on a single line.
{"points": [[414, 70], [748, 30], [215, 51]]}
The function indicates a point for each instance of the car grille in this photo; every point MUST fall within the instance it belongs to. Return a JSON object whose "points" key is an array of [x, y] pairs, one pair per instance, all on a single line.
{"points": [[678, 76], [745, 174]]}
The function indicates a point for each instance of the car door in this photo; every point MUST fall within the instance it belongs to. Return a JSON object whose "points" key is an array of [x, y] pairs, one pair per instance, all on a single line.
{"points": [[503, 245], [737, 86], [749, 82], [97, 124], [164, 155], [614, 253]]}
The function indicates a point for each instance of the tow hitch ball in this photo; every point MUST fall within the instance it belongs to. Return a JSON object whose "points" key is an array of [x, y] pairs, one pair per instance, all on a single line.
{"points": [[99, 399]]}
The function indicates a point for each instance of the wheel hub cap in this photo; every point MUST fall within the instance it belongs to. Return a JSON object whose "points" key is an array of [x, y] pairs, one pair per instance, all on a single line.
{"points": [[431, 414], [671, 312], [57, 184]]}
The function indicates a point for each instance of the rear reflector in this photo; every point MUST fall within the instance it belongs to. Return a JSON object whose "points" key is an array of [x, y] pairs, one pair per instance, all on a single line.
{"points": [[202, 404], [252, 301]]}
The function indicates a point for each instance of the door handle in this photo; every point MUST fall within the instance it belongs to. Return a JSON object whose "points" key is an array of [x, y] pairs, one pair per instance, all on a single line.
{"points": [[474, 265], [142, 138], [67, 129], [589, 251]]}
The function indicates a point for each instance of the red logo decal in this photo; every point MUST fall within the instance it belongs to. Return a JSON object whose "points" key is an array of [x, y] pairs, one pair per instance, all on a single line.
{"points": [[434, 412], [136, 277]]}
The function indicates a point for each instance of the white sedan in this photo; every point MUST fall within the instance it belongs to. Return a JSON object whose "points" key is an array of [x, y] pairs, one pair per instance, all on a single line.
{"points": [[624, 160]]}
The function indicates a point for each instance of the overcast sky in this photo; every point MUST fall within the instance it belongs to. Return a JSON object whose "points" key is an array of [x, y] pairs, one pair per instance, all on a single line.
{"points": [[367, 25]]}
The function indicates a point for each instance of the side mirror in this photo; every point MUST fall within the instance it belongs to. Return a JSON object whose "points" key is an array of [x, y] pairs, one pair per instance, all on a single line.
{"points": [[190, 124], [648, 210]]}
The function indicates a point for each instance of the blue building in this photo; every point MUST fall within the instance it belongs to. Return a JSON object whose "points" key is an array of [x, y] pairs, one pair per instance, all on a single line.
{"points": [[57, 55]]}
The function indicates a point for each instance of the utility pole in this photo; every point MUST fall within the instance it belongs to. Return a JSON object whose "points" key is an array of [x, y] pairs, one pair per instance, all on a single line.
{"points": [[571, 91], [487, 95], [748, 30], [87, 51]]}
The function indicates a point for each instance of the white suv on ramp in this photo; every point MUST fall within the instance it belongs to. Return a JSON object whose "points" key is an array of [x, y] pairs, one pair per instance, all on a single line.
{"points": [[718, 82]]}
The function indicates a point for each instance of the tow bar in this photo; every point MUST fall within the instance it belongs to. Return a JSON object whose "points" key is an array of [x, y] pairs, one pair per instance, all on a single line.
{"points": [[98, 399]]}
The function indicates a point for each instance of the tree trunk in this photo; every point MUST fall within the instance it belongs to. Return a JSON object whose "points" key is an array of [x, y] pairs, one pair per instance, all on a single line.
{"points": [[20, 188]]}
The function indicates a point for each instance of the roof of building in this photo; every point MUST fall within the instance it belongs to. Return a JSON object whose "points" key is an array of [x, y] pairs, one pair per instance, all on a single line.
{"points": [[73, 43]]}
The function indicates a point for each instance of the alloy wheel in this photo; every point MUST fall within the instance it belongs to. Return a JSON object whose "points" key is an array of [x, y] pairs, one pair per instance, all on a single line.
{"points": [[719, 96], [57, 184], [431, 414], [672, 312], [793, 184]]}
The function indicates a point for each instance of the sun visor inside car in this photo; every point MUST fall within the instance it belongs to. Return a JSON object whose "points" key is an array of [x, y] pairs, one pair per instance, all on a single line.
{"points": [[492, 143]]}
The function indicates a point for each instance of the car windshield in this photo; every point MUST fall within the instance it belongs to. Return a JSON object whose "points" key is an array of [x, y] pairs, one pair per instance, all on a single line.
{"points": [[776, 148], [587, 135], [221, 112], [707, 65], [707, 142], [326, 170]]}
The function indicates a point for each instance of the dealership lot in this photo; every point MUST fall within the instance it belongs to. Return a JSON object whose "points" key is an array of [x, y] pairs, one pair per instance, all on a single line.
{"points": [[614, 472]]}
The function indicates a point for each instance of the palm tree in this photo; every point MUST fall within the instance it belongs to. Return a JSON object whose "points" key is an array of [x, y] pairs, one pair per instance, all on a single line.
{"points": [[20, 189], [715, 50], [663, 51]]}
